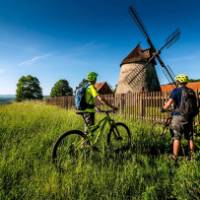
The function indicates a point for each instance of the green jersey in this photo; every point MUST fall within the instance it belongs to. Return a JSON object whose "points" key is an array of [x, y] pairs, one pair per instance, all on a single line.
{"points": [[90, 95]]}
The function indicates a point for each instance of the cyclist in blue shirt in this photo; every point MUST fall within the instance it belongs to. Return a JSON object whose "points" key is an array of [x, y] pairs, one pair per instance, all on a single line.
{"points": [[179, 124]]}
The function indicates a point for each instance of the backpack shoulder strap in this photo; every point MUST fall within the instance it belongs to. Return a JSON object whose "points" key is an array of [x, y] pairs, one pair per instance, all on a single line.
{"points": [[183, 93], [87, 85]]}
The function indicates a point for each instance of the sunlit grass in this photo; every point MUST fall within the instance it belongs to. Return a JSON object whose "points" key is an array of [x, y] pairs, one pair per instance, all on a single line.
{"points": [[28, 132]]}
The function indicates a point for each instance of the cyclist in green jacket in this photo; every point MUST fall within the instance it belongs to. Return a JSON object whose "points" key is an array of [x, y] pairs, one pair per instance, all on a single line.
{"points": [[91, 96]]}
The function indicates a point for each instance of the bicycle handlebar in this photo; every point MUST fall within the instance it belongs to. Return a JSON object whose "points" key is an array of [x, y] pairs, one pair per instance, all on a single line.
{"points": [[168, 110]]}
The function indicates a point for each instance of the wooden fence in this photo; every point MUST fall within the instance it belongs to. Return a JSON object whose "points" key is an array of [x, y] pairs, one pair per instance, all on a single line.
{"points": [[137, 106]]}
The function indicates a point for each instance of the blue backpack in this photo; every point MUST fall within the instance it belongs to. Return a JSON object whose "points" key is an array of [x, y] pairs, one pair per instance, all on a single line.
{"points": [[80, 102]]}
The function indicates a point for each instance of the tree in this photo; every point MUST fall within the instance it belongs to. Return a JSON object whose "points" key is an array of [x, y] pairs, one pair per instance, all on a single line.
{"points": [[194, 80], [28, 87], [61, 88]]}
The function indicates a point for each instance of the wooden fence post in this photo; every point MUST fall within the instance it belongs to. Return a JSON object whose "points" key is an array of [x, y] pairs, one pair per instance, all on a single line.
{"points": [[145, 105], [142, 105]]}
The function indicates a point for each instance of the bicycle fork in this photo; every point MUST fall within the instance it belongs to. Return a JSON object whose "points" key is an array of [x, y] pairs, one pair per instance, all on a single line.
{"points": [[115, 131]]}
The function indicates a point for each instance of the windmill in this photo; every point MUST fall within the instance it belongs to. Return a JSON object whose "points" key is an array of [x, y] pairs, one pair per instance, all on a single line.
{"points": [[142, 74]]}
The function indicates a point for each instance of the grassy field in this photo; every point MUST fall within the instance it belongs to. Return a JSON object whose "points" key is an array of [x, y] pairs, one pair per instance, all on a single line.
{"points": [[27, 133]]}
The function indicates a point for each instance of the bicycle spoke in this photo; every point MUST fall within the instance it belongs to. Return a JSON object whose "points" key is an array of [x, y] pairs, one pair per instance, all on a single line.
{"points": [[70, 150], [119, 138]]}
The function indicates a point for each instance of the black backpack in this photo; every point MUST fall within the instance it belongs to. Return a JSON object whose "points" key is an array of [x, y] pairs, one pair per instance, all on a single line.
{"points": [[188, 106]]}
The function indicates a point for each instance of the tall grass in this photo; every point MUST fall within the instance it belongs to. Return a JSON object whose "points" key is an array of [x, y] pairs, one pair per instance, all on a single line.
{"points": [[27, 133]]}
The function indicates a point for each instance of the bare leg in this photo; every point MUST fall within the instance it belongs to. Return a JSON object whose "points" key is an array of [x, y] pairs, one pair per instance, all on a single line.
{"points": [[176, 146], [191, 147], [88, 120]]}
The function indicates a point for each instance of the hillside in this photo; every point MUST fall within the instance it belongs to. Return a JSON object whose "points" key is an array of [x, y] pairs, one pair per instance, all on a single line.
{"points": [[6, 98], [28, 131]]}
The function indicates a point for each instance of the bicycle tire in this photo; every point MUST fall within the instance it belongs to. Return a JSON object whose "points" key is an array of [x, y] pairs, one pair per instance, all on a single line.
{"points": [[196, 129], [162, 133], [119, 137], [196, 134], [160, 129], [67, 149]]}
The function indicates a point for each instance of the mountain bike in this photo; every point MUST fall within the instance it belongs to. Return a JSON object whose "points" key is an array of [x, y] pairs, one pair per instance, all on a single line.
{"points": [[73, 145], [162, 129]]}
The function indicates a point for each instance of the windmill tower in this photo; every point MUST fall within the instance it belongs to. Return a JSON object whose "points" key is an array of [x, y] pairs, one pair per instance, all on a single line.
{"points": [[137, 71], [147, 80]]}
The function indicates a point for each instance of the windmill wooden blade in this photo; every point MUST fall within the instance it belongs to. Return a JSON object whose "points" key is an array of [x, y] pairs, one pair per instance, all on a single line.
{"points": [[169, 42], [171, 77], [165, 72], [135, 75], [171, 39], [170, 69], [140, 25]]}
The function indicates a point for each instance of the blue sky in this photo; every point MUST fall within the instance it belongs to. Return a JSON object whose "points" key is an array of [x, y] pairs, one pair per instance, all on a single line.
{"points": [[65, 39]]}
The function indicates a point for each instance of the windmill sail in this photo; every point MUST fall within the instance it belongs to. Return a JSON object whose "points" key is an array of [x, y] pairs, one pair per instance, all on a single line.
{"points": [[135, 74], [140, 25], [134, 64], [165, 72]]}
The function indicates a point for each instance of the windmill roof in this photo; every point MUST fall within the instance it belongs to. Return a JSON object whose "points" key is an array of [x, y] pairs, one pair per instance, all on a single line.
{"points": [[137, 55]]}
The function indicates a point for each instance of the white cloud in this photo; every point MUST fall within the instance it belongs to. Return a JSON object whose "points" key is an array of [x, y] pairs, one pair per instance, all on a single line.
{"points": [[83, 49], [34, 60]]}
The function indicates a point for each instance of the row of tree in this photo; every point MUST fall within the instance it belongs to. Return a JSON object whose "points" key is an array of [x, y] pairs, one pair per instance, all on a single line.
{"points": [[28, 87]]}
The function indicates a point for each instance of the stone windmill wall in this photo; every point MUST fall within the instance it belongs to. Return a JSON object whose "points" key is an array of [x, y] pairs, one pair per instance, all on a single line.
{"points": [[146, 81]]}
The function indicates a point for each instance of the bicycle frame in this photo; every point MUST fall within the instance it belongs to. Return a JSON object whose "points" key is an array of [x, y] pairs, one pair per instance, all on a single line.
{"points": [[99, 128]]}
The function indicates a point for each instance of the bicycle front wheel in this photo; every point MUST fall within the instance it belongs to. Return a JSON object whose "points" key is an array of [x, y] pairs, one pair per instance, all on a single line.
{"points": [[119, 137], [69, 149]]}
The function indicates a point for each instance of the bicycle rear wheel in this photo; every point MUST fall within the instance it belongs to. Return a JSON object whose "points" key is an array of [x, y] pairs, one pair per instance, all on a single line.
{"points": [[119, 137], [70, 149], [197, 136], [160, 129]]}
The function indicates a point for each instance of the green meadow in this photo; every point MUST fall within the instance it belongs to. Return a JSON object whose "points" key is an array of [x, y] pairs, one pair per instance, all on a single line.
{"points": [[28, 132]]}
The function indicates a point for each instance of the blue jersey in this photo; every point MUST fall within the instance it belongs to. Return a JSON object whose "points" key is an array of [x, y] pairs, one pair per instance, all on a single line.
{"points": [[176, 96]]}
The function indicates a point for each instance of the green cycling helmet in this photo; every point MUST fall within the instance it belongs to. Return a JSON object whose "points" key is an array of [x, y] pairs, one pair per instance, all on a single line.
{"points": [[92, 76], [182, 78]]}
